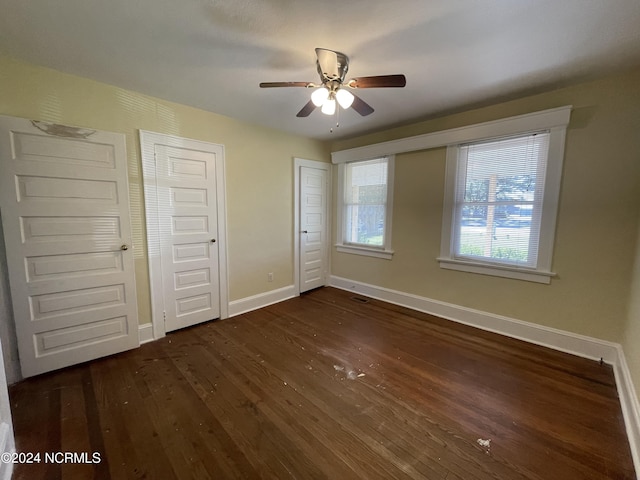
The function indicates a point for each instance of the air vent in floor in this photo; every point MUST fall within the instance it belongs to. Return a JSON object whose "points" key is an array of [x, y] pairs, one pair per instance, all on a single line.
{"points": [[360, 299]]}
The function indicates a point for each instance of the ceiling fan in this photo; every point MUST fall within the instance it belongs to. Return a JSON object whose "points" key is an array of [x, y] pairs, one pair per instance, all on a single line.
{"points": [[332, 67]]}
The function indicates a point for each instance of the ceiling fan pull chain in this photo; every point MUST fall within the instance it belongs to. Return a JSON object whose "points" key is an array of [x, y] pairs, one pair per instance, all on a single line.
{"points": [[337, 118]]}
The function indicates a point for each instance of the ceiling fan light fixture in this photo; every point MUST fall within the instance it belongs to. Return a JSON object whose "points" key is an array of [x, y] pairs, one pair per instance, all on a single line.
{"points": [[345, 98], [332, 67], [329, 107], [319, 96]]}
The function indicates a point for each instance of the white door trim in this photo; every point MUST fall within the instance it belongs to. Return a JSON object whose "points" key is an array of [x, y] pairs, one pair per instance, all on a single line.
{"points": [[297, 163], [148, 140]]}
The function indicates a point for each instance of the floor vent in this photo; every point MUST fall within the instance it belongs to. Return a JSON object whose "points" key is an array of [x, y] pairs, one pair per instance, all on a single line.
{"points": [[360, 299]]}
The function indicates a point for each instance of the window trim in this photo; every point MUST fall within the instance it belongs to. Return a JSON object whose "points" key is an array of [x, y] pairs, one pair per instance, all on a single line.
{"points": [[541, 120], [542, 273], [385, 250]]}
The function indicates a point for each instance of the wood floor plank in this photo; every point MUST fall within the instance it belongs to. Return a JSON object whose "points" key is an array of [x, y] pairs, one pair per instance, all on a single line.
{"points": [[287, 404], [389, 393], [292, 396], [469, 466], [186, 427], [328, 385], [230, 390], [36, 411], [560, 409], [74, 432], [132, 445]]}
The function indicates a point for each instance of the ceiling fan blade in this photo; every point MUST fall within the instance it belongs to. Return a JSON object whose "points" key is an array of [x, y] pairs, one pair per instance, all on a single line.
{"points": [[307, 109], [362, 107], [327, 64], [379, 81], [286, 84]]}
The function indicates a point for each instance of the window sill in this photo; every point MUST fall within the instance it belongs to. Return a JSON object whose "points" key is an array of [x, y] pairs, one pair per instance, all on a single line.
{"points": [[367, 251], [526, 274]]}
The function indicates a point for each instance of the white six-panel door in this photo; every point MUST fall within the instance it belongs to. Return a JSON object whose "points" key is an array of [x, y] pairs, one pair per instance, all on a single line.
{"points": [[65, 213]]}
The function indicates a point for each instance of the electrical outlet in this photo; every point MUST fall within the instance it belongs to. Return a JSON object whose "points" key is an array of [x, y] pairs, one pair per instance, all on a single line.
{"points": [[270, 277]]}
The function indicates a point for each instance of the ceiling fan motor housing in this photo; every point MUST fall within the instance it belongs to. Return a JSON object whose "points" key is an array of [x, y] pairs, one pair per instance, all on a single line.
{"points": [[332, 66]]}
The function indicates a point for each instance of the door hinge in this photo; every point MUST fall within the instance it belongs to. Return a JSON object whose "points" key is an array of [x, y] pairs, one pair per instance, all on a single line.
{"points": [[164, 317]]}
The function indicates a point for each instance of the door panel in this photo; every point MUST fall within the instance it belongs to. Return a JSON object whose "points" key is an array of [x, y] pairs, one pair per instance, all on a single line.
{"points": [[62, 267], [313, 223], [65, 213], [187, 223]]}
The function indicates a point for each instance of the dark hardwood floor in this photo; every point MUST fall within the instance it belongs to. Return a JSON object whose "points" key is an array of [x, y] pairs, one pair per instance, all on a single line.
{"points": [[326, 386]]}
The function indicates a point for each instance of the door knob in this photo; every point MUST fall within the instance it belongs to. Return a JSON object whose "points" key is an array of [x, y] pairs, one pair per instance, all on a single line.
{"points": [[213, 240], [124, 247], [304, 231]]}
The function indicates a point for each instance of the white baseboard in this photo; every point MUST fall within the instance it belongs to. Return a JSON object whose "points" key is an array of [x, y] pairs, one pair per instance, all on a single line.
{"points": [[630, 406], [244, 305], [529, 332], [556, 339], [145, 333]]}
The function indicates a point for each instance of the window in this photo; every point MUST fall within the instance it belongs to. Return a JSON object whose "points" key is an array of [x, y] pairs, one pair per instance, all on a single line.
{"points": [[501, 205], [499, 200], [364, 224]]}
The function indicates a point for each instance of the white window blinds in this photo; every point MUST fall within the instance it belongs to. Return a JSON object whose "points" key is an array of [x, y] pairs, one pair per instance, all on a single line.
{"points": [[498, 205], [365, 198]]}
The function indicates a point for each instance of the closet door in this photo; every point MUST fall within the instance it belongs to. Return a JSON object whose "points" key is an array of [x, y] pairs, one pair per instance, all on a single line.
{"points": [[65, 213], [314, 225], [188, 226], [184, 195]]}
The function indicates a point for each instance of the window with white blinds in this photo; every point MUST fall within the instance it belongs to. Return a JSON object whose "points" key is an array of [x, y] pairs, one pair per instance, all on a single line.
{"points": [[499, 196], [365, 191], [500, 206]]}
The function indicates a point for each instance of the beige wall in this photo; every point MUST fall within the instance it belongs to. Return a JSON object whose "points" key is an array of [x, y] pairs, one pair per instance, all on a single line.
{"points": [[259, 166], [597, 223]]}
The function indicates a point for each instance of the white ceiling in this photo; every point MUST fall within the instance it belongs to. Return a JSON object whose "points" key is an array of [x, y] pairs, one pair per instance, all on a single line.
{"points": [[212, 54]]}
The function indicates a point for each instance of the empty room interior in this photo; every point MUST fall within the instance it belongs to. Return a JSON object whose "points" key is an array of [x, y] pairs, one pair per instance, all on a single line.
{"points": [[341, 240]]}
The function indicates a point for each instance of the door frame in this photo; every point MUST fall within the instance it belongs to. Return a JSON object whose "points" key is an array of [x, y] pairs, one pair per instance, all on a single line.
{"points": [[297, 164], [148, 140]]}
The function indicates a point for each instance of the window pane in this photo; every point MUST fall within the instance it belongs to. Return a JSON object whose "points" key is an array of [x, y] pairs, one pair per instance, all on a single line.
{"points": [[367, 182], [474, 216], [368, 194], [516, 187], [504, 169], [476, 190], [365, 202], [500, 235], [365, 224]]}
